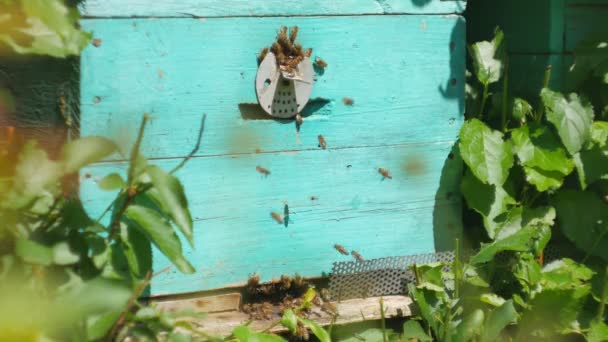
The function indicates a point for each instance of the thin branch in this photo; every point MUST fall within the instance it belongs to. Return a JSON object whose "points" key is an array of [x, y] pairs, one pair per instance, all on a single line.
{"points": [[121, 319], [196, 147], [135, 150]]}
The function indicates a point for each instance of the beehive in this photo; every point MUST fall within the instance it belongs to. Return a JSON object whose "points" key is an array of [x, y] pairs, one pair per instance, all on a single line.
{"points": [[401, 62]]}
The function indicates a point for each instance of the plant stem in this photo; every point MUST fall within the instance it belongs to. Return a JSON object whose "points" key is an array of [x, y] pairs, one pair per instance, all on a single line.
{"points": [[382, 320], [456, 268], [136, 293], [547, 76], [484, 97], [505, 94], [600, 311], [416, 275], [135, 150], [196, 147]]}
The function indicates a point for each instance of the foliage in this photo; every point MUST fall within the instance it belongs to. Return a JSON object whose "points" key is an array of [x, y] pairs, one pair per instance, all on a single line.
{"points": [[529, 172]]}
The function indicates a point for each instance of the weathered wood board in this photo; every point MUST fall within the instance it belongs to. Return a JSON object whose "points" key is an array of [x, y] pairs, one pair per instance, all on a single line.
{"points": [[405, 74]]}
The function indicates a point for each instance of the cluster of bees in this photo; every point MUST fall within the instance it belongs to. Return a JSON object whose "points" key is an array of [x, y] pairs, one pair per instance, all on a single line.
{"points": [[287, 52], [343, 251]]}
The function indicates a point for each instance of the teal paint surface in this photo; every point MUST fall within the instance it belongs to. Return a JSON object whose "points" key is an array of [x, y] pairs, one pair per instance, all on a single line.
{"points": [[215, 8], [397, 69], [406, 79]]}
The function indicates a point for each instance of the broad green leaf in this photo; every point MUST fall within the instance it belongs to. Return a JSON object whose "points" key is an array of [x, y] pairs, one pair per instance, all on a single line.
{"points": [[137, 250], [591, 59], [521, 109], [412, 329], [362, 332], [97, 326], [63, 255], [486, 59], [565, 273], [33, 252], [598, 284], [497, 320], [538, 147], [430, 303], [7, 101], [521, 241], [488, 200], [177, 337], [161, 233], [492, 299], [488, 156], [598, 332], [321, 334], [583, 218], [472, 276], [170, 197], [543, 180], [111, 182], [35, 175], [429, 276], [528, 272], [591, 165], [146, 313], [518, 217], [309, 295], [470, 326], [599, 133], [571, 118], [289, 320], [85, 151], [245, 334], [46, 27]]}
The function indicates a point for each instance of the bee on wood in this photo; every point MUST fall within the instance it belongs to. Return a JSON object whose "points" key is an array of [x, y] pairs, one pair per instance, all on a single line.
{"points": [[286, 214], [276, 49], [253, 283], [298, 281], [299, 120], [96, 42], [348, 101], [293, 34], [314, 198], [262, 170], [329, 308], [308, 52], [357, 256], [341, 249], [385, 173], [320, 63], [262, 55], [277, 217], [285, 282], [322, 142]]}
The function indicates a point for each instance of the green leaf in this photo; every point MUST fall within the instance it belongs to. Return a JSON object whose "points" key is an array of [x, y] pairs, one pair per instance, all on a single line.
{"points": [[528, 272], [85, 151], [485, 152], [97, 326], [591, 165], [599, 133], [488, 200], [492, 299], [111, 182], [430, 304], [46, 27], [161, 233], [541, 153], [598, 332], [497, 320], [93, 297], [521, 241], [321, 334], [470, 326], [289, 320], [429, 276], [7, 101], [518, 217], [486, 60], [245, 334], [566, 274], [33, 252], [521, 109], [412, 329], [171, 199], [177, 337], [137, 250], [543, 180], [583, 218], [571, 118], [146, 313], [63, 255]]}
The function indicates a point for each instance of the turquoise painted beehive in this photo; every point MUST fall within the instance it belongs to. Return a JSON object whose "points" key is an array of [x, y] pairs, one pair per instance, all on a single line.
{"points": [[402, 64]]}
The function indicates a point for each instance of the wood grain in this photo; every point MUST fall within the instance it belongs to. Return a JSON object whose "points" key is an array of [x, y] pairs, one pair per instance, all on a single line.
{"points": [[406, 82], [235, 236], [222, 8]]}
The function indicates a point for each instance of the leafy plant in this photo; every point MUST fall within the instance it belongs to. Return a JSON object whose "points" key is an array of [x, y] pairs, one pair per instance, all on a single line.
{"points": [[528, 171]]}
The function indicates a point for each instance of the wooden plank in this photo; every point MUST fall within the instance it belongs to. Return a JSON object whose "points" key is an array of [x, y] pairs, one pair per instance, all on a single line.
{"points": [[211, 304], [400, 78], [349, 311], [234, 235], [223, 8], [584, 18]]}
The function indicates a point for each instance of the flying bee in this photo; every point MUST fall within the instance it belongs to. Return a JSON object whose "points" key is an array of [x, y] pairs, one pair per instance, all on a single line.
{"points": [[262, 170], [322, 142], [320, 63], [262, 55], [348, 101], [277, 217], [314, 198], [385, 173], [293, 34], [357, 256], [286, 214], [341, 249]]}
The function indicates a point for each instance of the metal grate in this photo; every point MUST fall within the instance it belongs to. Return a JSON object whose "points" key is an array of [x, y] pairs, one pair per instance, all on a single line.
{"points": [[389, 276]]}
